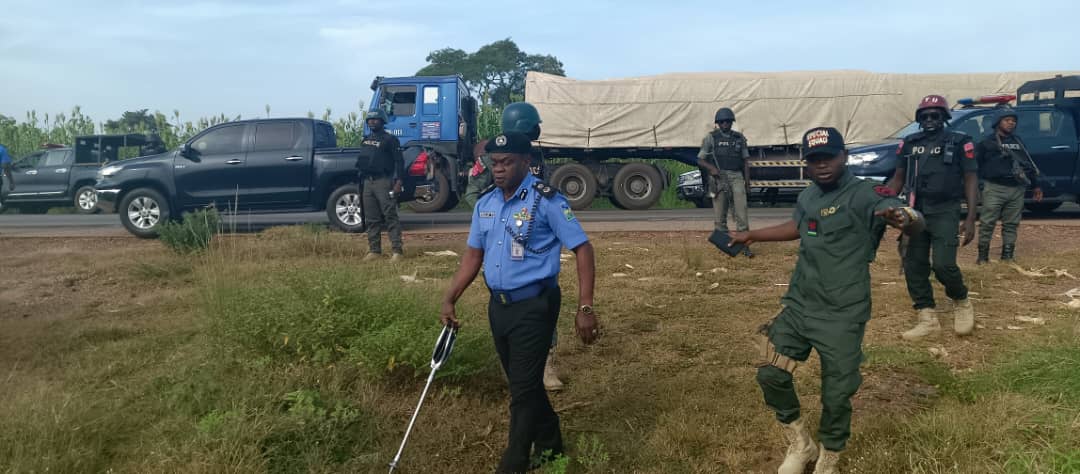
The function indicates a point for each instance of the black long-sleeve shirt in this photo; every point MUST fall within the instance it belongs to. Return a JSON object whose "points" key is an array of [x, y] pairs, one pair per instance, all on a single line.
{"points": [[996, 160]]}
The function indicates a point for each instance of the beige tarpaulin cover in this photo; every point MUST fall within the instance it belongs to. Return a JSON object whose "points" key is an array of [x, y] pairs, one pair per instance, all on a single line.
{"points": [[676, 110]]}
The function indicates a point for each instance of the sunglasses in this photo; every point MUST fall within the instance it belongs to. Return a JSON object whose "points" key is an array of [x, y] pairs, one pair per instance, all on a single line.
{"points": [[726, 121], [931, 116]]}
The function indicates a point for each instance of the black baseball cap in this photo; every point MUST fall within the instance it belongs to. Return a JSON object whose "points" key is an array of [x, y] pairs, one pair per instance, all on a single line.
{"points": [[511, 142], [822, 142]]}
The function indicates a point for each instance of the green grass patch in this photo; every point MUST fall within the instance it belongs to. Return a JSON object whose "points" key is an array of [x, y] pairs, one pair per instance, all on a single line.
{"points": [[334, 314]]}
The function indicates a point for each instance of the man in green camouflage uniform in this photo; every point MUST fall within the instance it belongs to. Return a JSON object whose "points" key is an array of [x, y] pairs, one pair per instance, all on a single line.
{"points": [[839, 220]]}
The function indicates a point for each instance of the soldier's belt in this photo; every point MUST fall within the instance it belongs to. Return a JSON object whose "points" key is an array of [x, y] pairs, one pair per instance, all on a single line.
{"points": [[529, 291]]}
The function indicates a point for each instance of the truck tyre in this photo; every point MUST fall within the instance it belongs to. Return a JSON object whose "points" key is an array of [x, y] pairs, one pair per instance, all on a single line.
{"points": [[345, 208], [577, 183], [637, 186], [703, 202], [143, 211], [440, 199], [85, 200]]}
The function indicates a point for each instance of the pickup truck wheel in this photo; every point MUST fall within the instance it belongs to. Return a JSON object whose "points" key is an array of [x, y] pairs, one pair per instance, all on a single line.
{"points": [[577, 183], [438, 201], [703, 202], [85, 200], [637, 186], [345, 208], [143, 211]]}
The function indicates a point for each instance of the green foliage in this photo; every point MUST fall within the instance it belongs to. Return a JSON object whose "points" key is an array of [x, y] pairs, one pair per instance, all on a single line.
{"points": [[591, 453], [336, 314], [495, 72], [193, 234]]}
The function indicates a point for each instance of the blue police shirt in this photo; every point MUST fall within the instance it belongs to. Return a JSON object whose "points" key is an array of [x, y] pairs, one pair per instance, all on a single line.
{"points": [[546, 223], [5, 158]]}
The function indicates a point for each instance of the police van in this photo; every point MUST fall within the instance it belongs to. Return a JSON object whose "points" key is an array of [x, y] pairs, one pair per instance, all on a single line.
{"points": [[1047, 120]]}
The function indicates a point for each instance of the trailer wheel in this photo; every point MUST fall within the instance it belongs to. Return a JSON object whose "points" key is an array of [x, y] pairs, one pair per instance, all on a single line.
{"points": [[577, 183], [637, 186]]}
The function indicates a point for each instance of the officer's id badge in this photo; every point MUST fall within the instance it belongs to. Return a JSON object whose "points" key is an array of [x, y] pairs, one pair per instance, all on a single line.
{"points": [[969, 150], [567, 212], [811, 228], [487, 214], [517, 251], [521, 217]]}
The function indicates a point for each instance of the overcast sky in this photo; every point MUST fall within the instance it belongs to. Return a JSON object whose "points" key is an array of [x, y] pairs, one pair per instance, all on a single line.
{"points": [[234, 57]]}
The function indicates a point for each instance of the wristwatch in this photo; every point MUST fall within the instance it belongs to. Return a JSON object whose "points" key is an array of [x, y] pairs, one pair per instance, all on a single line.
{"points": [[586, 308]]}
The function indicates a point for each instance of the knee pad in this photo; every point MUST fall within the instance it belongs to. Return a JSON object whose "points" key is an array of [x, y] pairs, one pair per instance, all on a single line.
{"points": [[767, 355]]}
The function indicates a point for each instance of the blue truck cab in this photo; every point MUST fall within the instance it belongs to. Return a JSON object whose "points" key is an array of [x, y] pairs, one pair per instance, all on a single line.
{"points": [[434, 118]]}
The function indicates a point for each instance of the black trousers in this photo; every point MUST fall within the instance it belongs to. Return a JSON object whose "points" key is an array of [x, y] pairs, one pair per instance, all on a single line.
{"points": [[522, 332]]}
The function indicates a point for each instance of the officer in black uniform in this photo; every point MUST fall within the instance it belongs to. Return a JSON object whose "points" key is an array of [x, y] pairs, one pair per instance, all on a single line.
{"points": [[382, 169], [517, 233], [938, 169], [1007, 171], [723, 155]]}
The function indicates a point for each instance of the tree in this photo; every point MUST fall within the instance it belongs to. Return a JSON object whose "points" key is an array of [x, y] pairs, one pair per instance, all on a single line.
{"points": [[495, 72], [139, 121]]}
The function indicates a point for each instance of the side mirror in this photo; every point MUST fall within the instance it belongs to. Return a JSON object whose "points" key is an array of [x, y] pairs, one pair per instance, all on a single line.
{"points": [[186, 151]]}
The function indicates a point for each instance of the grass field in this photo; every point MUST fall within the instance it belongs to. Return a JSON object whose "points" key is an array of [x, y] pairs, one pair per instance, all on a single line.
{"points": [[282, 352]]}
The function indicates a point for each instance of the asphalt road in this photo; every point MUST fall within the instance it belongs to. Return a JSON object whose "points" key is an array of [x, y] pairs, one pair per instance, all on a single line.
{"points": [[108, 225]]}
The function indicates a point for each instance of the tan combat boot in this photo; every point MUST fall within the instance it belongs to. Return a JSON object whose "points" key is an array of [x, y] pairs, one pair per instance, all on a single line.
{"points": [[372, 256], [551, 376], [396, 257], [801, 449], [928, 324], [827, 462], [963, 317]]}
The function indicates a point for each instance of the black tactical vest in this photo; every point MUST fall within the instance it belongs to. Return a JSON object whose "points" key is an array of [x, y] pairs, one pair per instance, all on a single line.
{"points": [[941, 175], [727, 150], [375, 157]]}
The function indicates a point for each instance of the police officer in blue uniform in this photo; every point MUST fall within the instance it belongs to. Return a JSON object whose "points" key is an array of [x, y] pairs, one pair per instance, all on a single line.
{"points": [[517, 233]]}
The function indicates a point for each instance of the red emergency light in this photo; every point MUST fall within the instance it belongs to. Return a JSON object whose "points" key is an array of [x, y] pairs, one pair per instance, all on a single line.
{"points": [[987, 99], [50, 146]]}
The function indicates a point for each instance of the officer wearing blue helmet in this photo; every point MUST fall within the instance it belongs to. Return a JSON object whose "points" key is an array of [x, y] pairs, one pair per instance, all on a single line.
{"points": [[519, 117], [517, 233]]}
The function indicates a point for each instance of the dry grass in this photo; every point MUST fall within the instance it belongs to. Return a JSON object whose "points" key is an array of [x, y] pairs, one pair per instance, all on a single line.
{"points": [[109, 364]]}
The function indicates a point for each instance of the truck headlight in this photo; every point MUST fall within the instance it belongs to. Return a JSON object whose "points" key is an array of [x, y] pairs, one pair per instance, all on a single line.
{"points": [[110, 171], [863, 158]]}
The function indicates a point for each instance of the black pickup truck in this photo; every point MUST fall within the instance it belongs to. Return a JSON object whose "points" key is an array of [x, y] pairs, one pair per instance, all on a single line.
{"points": [[250, 166], [60, 175], [1048, 122]]}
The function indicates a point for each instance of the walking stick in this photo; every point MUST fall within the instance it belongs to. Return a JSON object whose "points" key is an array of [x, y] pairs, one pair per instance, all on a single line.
{"points": [[438, 357]]}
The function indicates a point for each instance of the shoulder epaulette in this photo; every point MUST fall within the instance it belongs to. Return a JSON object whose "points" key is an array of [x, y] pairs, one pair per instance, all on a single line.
{"points": [[545, 189]]}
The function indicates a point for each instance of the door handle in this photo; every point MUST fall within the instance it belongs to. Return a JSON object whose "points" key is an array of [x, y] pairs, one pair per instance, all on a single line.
{"points": [[412, 124], [293, 158], [234, 162], [1060, 147], [31, 172], [61, 170]]}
